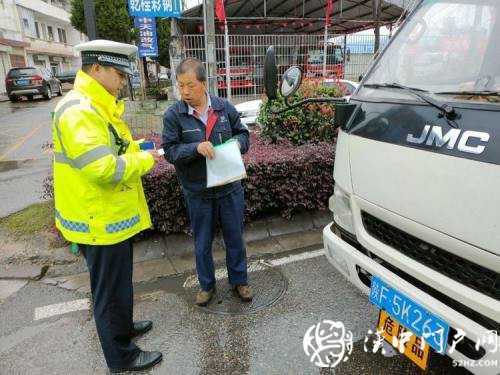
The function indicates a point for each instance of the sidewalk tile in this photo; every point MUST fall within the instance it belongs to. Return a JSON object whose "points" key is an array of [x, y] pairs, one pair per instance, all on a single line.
{"points": [[80, 282], [29, 272], [178, 244], [265, 246], [299, 240], [322, 218], [152, 269], [150, 248], [300, 222]]}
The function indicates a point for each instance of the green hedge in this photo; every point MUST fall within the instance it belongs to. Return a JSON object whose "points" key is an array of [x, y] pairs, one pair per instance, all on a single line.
{"points": [[282, 179], [304, 124]]}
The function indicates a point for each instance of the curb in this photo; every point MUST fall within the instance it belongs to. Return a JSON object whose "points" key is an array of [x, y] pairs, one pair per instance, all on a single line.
{"points": [[182, 244], [154, 269], [173, 255]]}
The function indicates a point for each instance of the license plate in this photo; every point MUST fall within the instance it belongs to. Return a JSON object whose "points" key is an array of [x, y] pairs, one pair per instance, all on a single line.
{"points": [[416, 349], [23, 82], [410, 314]]}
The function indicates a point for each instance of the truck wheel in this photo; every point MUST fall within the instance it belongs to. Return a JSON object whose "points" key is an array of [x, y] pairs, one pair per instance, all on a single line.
{"points": [[14, 99]]}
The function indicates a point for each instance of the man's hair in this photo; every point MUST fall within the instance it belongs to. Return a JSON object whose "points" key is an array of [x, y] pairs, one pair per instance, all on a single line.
{"points": [[192, 65], [86, 68]]}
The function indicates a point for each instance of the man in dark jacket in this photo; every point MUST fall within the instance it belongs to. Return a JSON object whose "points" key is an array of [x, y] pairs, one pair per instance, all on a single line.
{"points": [[191, 127]]}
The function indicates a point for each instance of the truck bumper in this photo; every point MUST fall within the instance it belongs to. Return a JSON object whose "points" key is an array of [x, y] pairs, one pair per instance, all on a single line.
{"points": [[357, 266]]}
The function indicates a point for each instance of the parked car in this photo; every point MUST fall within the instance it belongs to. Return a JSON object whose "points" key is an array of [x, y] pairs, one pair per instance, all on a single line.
{"points": [[67, 77], [31, 81], [249, 111]]}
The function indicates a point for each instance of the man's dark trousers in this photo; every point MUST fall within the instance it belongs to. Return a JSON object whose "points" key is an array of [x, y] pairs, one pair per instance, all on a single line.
{"points": [[205, 211], [110, 270]]}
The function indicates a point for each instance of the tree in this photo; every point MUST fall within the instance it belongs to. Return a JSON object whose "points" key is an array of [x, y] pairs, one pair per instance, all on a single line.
{"points": [[112, 19], [114, 23], [163, 32]]}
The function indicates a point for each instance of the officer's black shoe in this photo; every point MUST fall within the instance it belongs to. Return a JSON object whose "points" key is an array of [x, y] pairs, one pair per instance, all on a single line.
{"points": [[143, 361], [141, 327]]}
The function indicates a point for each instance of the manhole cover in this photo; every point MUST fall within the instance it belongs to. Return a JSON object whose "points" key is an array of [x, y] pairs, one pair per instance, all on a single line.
{"points": [[268, 285]]}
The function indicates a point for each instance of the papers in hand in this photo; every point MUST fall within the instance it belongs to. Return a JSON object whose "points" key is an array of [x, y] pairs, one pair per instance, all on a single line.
{"points": [[227, 165]]}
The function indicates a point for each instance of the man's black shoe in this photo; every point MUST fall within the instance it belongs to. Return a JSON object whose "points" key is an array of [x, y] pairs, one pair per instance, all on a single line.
{"points": [[143, 361], [141, 327]]}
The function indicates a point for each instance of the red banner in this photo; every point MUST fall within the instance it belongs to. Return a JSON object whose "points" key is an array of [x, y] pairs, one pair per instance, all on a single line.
{"points": [[328, 11], [220, 12]]}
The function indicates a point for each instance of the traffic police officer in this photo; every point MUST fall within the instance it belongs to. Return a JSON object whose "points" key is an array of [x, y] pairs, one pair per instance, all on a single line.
{"points": [[191, 127], [99, 199]]}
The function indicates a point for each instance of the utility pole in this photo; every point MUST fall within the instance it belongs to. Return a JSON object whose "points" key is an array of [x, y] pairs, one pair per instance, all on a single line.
{"points": [[89, 14], [376, 16], [175, 52], [211, 60]]}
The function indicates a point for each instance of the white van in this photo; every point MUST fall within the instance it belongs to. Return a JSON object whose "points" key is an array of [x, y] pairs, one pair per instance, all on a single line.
{"points": [[416, 203]]}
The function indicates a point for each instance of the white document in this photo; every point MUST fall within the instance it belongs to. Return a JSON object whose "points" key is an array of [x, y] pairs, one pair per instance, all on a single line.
{"points": [[227, 166]]}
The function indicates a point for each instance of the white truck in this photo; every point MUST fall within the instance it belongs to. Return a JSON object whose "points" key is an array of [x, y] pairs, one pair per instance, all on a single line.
{"points": [[416, 203]]}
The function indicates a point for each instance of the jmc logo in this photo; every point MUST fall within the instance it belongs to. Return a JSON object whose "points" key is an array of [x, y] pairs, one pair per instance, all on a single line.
{"points": [[469, 141]]}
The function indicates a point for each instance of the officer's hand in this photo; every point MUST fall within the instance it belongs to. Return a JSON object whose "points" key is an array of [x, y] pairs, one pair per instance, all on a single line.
{"points": [[155, 155], [206, 149]]}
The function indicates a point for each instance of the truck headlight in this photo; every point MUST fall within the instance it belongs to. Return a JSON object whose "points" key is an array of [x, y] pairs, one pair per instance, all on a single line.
{"points": [[340, 205]]}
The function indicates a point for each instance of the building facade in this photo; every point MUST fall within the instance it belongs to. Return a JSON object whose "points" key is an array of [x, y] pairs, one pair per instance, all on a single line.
{"points": [[46, 26], [37, 33], [12, 44]]}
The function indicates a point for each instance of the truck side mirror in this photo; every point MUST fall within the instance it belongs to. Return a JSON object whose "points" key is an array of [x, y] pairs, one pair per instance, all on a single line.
{"points": [[291, 81], [270, 74], [343, 113], [348, 57]]}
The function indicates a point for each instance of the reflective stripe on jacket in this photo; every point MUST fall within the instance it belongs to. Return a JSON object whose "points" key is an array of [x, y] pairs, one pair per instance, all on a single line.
{"points": [[98, 192]]}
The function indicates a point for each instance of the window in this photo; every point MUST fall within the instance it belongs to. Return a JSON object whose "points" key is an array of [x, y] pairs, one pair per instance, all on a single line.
{"points": [[26, 24], [50, 31], [62, 35], [37, 29], [447, 47], [21, 72], [44, 31]]}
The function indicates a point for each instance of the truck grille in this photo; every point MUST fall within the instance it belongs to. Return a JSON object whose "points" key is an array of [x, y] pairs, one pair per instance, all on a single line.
{"points": [[464, 271]]}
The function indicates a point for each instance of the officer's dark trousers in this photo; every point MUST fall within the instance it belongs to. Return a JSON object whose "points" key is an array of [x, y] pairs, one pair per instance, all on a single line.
{"points": [[204, 213], [110, 270]]}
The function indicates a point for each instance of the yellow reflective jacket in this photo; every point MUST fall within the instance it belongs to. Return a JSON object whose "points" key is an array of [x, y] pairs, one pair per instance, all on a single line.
{"points": [[99, 199]]}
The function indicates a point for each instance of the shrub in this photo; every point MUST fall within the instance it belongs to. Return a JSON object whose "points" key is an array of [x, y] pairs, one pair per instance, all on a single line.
{"points": [[158, 89], [282, 179], [308, 123]]}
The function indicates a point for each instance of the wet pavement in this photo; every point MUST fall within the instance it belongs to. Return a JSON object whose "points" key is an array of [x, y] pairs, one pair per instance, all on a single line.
{"points": [[25, 130], [194, 340]]}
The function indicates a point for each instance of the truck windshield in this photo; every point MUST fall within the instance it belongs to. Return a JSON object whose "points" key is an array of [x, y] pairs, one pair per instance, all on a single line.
{"points": [[333, 56], [448, 48]]}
